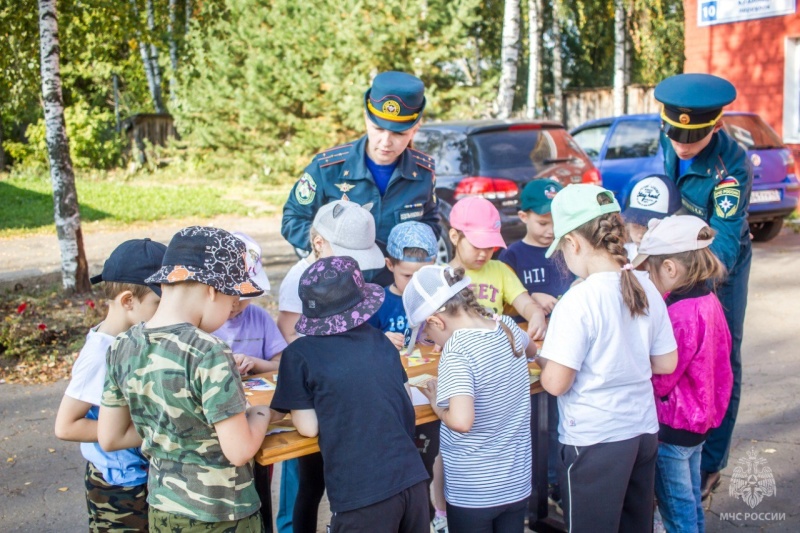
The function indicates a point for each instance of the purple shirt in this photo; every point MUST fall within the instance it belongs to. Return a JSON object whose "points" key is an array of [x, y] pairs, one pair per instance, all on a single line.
{"points": [[252, 333]]}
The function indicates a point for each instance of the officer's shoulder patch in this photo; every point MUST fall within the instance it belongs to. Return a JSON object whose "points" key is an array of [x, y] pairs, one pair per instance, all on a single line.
{"points": [[422, 159], [333, 156], [726, 201], [305, 190]]}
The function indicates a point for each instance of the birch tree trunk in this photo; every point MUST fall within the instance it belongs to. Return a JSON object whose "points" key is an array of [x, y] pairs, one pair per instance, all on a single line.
{"points": [[534, 56], [509, 57], [619, 57], [557, 113], [151, 70], [151, 26], [173, 50], [2, 151], [74, 269]]}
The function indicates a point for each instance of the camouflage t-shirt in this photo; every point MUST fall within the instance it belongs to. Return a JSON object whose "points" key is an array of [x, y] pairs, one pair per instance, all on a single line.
{"points": [[178, 382]]}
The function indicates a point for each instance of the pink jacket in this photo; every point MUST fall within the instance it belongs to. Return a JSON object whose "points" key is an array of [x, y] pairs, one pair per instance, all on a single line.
{"points": [[695, 397]]}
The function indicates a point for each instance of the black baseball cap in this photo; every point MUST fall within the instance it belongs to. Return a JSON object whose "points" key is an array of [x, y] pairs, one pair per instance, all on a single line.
{"points": [[133, 262]]}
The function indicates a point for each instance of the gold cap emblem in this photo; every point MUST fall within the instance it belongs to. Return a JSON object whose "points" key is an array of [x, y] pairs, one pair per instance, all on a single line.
{"points": [[391, 107], [684, 118]]}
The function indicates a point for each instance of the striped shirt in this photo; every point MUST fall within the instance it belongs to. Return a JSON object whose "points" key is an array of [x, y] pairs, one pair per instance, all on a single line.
{"points": [[491, 464]]}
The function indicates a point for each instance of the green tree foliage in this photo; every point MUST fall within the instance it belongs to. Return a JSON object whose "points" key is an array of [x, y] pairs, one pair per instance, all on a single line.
{"points": [[656, 28], [269, 83]]}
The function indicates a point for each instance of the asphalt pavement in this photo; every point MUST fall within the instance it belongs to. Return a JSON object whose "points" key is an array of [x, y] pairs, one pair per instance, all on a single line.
{"points": [[41, 478]]}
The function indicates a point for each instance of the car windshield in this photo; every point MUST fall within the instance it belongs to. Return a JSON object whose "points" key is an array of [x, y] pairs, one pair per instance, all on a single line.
{"points": [[520, 153], [448, 147], [634, 139], [751, 132]]}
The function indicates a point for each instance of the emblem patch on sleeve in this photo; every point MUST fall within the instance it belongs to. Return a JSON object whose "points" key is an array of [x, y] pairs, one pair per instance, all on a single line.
{"points": [[726, 201], [305, 190]]}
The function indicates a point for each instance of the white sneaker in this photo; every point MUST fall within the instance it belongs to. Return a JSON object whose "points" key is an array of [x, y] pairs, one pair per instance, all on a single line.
{"points": [[439, 524], [658, 524]]}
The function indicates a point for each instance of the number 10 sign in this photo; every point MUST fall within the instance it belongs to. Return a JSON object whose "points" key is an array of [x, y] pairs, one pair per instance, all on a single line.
{"points": [[724, 11]]}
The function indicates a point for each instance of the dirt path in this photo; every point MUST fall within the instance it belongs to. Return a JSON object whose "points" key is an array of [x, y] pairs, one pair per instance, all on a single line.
{"points": [[36, 259]]}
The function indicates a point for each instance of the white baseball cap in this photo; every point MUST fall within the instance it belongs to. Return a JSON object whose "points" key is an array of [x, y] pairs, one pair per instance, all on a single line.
{"points": [[426, 293], [350, 230], [671, 235], [252, 260]]}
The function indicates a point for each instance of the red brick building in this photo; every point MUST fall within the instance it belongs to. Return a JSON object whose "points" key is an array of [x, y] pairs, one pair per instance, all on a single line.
{"points": [[756, 45]]}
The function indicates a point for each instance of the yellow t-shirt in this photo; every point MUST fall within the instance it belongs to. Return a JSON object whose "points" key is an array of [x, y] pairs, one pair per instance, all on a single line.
{"points": [[495, 285]]}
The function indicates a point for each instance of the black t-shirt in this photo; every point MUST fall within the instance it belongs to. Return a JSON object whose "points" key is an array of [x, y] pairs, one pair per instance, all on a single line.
{"points": [[537, 273], [355, 383]]}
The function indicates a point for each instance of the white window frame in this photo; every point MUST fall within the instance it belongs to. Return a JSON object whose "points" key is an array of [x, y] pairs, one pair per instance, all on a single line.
{"points": [[791, 90]]}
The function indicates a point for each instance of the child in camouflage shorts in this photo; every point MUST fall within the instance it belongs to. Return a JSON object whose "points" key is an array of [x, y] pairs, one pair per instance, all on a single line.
{"points": [[116, 482], [177, 386]]}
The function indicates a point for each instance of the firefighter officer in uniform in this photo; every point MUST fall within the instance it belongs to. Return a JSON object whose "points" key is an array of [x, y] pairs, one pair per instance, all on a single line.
{"points": [[714, 177], [379, 168]]}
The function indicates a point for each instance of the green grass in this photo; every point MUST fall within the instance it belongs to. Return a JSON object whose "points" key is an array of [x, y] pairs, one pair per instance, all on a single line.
{"points": [[28, 202]]}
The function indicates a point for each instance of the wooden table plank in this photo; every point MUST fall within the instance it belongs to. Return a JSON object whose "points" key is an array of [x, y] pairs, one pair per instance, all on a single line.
{"points": [[288, 445]]}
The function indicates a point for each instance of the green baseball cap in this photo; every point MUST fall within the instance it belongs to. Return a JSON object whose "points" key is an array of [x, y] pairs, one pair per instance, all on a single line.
{"points": [[538, 195], [576, 205]]}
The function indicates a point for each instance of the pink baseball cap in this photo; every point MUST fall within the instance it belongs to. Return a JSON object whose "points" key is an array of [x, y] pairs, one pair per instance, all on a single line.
{"points": [[479, 220]]}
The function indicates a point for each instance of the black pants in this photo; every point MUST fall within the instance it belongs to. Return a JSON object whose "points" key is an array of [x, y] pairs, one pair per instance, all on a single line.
{"points": [[509, 518], [405, 512], [311, 487], [426, 437], [609, 486], [263, 479]]}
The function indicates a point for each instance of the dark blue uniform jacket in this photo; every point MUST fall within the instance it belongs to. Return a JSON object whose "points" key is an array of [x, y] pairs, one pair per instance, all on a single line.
{"points": [[716, 187], [342, 170]]}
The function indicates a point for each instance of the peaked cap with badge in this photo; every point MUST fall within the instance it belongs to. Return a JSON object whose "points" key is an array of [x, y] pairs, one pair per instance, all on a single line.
{"points": [[395, 101], [692, 105], [714, 185]]}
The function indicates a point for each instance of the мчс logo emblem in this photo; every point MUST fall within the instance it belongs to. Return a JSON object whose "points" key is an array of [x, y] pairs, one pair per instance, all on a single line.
{"points": [[752, 479]]}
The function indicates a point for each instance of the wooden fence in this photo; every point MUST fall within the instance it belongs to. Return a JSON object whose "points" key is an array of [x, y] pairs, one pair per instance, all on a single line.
{"points": [[587, 104], [155, 128]]}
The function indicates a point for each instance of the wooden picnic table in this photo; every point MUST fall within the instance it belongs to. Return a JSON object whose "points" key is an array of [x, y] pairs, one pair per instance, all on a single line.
{"points": [[290, 444]]}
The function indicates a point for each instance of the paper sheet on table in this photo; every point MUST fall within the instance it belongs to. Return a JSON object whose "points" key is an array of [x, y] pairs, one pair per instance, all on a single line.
{"points": [[275, 429], [259, 384], [417, 398]]}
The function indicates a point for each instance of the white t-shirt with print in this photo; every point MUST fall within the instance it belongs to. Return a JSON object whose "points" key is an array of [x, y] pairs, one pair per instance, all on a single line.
{"points": [[591, 331]]}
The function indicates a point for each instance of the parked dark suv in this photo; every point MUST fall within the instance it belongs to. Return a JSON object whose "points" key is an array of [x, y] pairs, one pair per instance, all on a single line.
{"points": [[626, 148], [496, 159]]}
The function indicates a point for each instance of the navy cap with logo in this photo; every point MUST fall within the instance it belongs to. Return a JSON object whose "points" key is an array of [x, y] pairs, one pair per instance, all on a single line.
{"points": [[211, 256], [538, 195], [395, 101], [653, 196], [692, 105], [133, 262]]}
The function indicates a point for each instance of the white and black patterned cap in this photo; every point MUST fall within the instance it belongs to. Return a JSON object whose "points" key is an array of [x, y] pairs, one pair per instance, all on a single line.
{"points": [[211, 256]]}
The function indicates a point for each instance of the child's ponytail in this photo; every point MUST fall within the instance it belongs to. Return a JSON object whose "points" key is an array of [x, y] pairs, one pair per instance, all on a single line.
{"points": [[466, 301], [607, 232]]}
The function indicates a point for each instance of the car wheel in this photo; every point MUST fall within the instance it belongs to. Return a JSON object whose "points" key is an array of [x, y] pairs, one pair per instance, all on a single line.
{"points": [[444, 248], [766, 231]]}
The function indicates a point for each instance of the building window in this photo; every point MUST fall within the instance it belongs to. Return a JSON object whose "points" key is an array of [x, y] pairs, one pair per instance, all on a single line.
{"points": [[791, 91]]}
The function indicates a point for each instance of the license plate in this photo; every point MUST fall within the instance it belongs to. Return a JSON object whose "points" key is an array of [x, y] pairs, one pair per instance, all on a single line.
{"points": [[762, 197]]}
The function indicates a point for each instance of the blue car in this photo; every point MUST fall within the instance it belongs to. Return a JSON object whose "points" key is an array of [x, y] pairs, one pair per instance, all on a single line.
{"points": [[627, 148]]}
